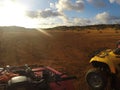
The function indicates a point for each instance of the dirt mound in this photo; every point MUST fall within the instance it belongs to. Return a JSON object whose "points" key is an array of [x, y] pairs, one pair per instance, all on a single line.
{"points": [[63, 50]]}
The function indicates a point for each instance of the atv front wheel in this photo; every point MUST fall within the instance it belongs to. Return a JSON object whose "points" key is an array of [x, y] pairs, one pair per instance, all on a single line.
{"points": [[96, 79]]}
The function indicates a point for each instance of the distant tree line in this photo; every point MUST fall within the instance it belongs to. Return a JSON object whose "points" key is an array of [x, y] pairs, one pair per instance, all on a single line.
{"points": [[92, 27]]}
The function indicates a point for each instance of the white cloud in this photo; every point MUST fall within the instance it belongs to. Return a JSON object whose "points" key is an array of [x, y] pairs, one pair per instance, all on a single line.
{"points": [[55, 15], [77, 21], [106, 18], [52, 5], [100, 18], [97, 3], [103, 17], [68, 5], [116, 1], [82, 21], [50, 22], [63, 5], [63, 20], [112, 1]]}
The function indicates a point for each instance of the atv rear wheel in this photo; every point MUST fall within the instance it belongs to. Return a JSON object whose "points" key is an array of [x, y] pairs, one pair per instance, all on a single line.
{"points": [[96, 79]]}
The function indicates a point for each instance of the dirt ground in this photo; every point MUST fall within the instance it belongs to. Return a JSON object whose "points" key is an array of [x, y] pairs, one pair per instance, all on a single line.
{"points": [[65, 51]]}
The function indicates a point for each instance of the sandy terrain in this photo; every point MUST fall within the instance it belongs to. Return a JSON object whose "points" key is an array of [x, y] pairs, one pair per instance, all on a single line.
{"points": [[66, 51]]}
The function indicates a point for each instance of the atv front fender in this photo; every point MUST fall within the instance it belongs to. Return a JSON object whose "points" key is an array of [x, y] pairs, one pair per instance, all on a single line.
{"points": [[105, 61]]}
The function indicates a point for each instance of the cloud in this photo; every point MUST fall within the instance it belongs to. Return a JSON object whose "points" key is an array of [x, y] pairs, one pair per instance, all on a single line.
{"points": [[76, 21], [100, 18], [116, 1], [81, 21], [52, 5], [97, 3], [43, 14], [69, 5], [50, 22], [48, 13], [32, 14], [103, 17], [56, 11], [106, 18], [55, 15], [63, 5]]}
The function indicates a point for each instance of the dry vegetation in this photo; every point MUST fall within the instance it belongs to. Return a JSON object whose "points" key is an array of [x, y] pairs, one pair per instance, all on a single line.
{"points": [[63, 50]]}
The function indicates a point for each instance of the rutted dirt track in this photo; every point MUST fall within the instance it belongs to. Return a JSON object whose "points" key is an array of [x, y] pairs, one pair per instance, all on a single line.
{"points": [[63, 50]]}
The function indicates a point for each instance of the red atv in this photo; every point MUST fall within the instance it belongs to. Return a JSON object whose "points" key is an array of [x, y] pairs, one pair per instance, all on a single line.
{"points": [[34, 77]]}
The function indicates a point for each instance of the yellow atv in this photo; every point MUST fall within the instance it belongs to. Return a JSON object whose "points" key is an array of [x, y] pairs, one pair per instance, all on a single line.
{"points": [[106, 65]]}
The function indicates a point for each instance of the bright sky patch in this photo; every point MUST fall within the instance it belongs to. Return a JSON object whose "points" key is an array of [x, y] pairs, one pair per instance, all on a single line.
{"points": [[51, 13]]}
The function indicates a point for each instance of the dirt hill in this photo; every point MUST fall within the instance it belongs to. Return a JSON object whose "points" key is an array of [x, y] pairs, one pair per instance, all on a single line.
{"points": [[63, 50]]}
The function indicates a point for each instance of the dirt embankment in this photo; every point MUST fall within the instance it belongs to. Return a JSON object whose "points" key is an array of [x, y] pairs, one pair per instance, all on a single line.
{"points": [[64, 50]]}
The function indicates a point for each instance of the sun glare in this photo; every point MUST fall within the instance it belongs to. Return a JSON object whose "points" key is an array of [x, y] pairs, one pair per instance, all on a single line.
{"points": [[13, 13]]}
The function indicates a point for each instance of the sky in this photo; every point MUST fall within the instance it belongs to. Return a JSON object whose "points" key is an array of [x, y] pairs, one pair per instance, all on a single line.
{"points": [[52, 13]]}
